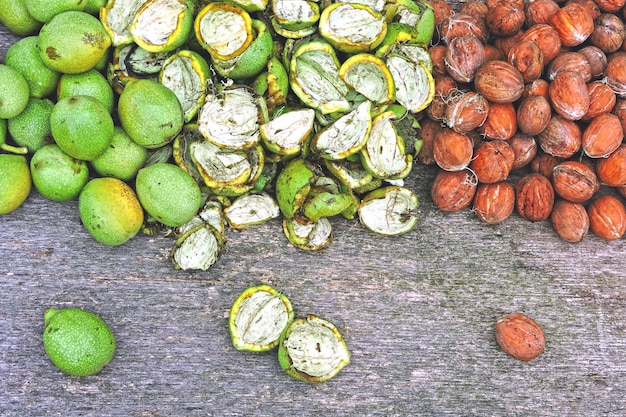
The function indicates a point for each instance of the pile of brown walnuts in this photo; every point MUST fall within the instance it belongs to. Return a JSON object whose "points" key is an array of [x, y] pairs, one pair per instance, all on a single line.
{"points": [[535, 89]]}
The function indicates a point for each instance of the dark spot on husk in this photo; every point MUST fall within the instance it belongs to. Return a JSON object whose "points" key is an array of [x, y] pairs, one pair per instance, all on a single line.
{"points": [[52, 53], [96, 40]]}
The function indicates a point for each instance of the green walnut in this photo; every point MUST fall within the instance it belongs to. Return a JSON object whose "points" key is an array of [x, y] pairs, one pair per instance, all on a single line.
{"points": [[24, 56], [110, 211], [78, 342], [150, 113], [56, 175], [73, 42], [14, 94], [15, 16], [168, 193], [15, 182], [31, 128], [82, 127], [123, 159]]}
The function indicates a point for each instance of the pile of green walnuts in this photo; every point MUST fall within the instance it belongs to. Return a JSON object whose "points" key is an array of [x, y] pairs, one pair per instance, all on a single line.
{"points": [[184, 115]]}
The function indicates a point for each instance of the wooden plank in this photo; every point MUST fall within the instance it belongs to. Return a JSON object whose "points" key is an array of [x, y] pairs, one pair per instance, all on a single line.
{"points": [[417, 312]]}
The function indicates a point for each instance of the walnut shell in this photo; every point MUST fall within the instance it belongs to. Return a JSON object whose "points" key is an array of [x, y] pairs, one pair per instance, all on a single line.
{"points": [[520, 336], [597, 59], [533, 115], [459, 24], [524, 148], [590, 5], [534, 197], [570, 220], [544, 163], [437, 53], [538, 87], [476, 8], [505, 43], [612, 169], [569, 95], [493, 53], [452, 191], [501, 122], [465, 112], [610, 6], [601, 100], [540, 11], [615, 74], [569, 61], [494, 203], [602, 136], [427, 131], [561, 138], [464, 55], [607, 217], [505, 18], [499, 82], [608, 33], [546, 37], [620, 111], [574, 24], [445, 86], [574, 181], [492, 161], [528, 59], [452, 150]]}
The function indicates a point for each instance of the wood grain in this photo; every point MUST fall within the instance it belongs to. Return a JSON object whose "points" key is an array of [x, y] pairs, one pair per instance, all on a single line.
{"points": [[417, 311]]}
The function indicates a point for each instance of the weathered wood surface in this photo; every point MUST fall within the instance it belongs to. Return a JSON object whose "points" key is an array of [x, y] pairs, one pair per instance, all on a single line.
{"points": [[418, 313]]}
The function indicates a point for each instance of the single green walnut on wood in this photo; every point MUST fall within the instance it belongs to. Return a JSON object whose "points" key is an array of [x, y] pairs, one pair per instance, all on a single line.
{"points": [[77, 341]]}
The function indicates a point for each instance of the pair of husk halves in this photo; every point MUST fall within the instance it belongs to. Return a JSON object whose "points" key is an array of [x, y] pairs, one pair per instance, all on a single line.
{"points": [[310, 349]]}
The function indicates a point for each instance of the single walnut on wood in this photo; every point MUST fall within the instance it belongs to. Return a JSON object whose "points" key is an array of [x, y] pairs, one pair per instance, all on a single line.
{"points": [[520, 336]]}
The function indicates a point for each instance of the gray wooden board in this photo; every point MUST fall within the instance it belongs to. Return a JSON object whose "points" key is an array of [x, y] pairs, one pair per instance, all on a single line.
{"points": [[417, 311]]}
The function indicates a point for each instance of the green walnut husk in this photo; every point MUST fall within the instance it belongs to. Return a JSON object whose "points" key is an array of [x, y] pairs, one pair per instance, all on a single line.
{"points": [[352, 27], [251, 209], [224, 30], [258, 317], [162, 25], [198, 248], [389, 211], [287, 133], [294, 16], [188, 75], [314, 78], [384, 153], [253, 60], [230, 118], [307, 235], [312, 350], [292, 186], [346, 136]]}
